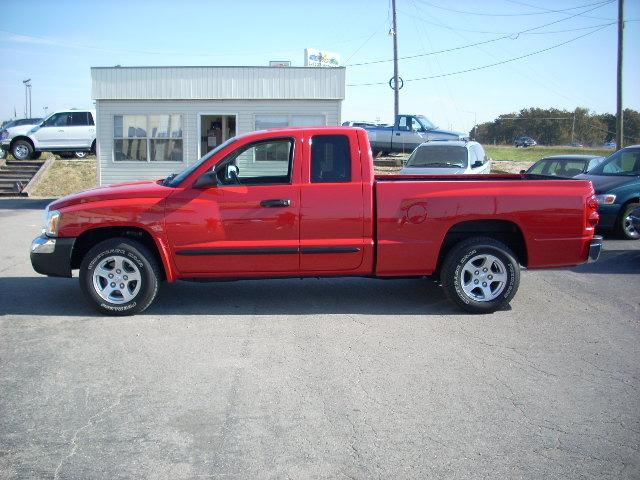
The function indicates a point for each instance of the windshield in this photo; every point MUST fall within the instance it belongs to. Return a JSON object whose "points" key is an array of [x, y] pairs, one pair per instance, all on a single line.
{"points": [[179, 178], [623, 162], [439, 156], [426, 123]]}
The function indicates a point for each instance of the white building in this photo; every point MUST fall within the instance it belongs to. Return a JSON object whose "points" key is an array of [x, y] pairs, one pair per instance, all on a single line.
{"points": [[152, 121]]}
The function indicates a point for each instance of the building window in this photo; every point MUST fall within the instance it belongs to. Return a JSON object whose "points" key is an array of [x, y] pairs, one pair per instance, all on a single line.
{"points": [[155, 138], [330, 159], [263, 122]]}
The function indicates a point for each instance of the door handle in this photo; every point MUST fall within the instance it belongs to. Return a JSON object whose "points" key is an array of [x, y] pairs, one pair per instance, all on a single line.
{"points": [[61, 130], [275, 203], [398, 134]]}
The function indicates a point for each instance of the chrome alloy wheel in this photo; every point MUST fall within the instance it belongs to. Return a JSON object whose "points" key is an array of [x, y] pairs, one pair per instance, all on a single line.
{"points": [[117, 279], [21, 152], [483, 277], [629, 228]]}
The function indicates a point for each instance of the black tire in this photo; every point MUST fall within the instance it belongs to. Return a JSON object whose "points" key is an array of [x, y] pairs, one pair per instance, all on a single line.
{"points": [[65, 154], [624, 226], [93, 147], [21, 150], [135, 257], [455, 276], [80, 154]]}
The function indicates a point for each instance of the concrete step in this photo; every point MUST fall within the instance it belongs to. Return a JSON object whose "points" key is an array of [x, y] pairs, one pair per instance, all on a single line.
{"points": [[12, 176], [30, 171], [25, 163], [4, 193]]}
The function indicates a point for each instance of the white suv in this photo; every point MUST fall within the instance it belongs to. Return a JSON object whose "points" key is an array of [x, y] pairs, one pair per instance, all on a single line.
{"points": [[64, 132]]}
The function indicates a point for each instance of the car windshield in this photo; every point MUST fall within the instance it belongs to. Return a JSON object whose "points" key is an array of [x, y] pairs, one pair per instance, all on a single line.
{"points": [[623, 162], [447, 156], [174, 180], [426, 123]]}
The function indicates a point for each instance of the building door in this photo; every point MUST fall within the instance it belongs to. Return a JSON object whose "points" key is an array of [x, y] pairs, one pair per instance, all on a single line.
{"points": [[214, 130]]}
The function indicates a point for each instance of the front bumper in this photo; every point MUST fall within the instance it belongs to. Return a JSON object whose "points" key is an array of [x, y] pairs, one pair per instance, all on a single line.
{"points": [[595, 247], [608, 215], [5, 145], [52, 256]]}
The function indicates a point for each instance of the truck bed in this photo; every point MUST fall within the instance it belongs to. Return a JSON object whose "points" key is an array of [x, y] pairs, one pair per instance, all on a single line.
{"points": [[416, 213]]}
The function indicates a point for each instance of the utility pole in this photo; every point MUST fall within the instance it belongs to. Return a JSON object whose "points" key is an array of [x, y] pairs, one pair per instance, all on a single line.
{"points": [[396, 86], [619, 111]]}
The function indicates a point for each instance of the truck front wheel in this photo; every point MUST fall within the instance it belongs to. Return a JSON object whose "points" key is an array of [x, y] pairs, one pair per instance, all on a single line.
{"points": [[119, 277], [480, 275]]}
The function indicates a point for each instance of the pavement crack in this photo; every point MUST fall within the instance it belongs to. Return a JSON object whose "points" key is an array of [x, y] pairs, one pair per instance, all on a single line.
{"points": [[74, 440]]}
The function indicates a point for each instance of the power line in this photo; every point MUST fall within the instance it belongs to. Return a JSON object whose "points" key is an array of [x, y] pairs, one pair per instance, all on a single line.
{"points": [[484, 66], [366, 41], [455, 29], [548, 10], [461, 47], [509, 33], [599, 4]]}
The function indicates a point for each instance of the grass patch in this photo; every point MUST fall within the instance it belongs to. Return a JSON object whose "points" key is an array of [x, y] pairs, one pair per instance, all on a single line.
{"points": [[533, 154], [68, 176]]}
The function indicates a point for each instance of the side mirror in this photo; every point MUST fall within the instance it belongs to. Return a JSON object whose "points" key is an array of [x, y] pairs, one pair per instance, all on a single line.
{"points": [[523, 171], [477, 164], [206, 180]]}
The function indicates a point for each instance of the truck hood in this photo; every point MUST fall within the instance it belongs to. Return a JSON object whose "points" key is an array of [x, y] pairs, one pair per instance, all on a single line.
{"points": [[441, 134], [605, 183], [145, 189]]}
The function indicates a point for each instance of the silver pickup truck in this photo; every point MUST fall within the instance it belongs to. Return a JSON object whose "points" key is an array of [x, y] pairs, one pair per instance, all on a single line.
{"points": [[407, 133]]}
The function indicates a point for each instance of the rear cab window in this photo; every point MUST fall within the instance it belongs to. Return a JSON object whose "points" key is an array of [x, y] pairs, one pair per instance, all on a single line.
{"points": [[330, 159]]}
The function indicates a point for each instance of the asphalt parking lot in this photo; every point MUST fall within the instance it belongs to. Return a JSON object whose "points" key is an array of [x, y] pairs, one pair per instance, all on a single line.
{"points": [[341, 378]]}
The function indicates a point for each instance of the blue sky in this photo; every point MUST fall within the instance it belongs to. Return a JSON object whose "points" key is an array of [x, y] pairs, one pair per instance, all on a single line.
{"points": [[56, 42]]}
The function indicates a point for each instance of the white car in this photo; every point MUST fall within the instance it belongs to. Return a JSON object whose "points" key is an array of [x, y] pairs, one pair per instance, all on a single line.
{"points": [[449, 157], [12, 129], [66, 132]]}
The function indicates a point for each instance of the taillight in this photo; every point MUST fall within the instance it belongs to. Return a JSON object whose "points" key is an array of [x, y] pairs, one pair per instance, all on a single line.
{"points": [[591, 212]]}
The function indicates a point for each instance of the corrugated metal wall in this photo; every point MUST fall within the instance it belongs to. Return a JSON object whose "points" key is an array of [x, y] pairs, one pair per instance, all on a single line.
{"points": [[214, 83], [115, 172]]}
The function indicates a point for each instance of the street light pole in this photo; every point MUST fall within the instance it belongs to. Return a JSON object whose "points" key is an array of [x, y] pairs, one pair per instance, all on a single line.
{"points": [[27, 89]]}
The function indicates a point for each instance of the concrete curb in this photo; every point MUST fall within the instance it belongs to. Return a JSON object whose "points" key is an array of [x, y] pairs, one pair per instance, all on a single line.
{"points": [[33, 183]]}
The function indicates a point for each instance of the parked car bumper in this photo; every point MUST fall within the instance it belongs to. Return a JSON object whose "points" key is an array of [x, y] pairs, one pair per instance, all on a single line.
{"points": [[52, 256], [608, 215]]}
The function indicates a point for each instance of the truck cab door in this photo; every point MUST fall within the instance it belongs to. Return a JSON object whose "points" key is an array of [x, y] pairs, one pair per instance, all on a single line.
{"points": [[249, 223], [332, 217]]}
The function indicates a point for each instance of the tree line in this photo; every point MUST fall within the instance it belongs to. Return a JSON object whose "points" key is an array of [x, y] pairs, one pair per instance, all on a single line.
{"points": [[551, 126]]}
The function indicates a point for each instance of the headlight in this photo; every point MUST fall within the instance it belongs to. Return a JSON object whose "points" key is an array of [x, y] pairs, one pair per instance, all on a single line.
{"points": [[606, 199], [51, 222], [4, 135]]}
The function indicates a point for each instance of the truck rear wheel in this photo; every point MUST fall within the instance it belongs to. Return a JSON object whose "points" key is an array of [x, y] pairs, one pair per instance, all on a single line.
{"points": [[480, 275], [120, 277], [22, 150]]}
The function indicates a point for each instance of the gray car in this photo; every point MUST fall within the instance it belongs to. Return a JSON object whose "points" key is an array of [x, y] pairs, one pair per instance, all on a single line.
{"points": [[448, 158]]}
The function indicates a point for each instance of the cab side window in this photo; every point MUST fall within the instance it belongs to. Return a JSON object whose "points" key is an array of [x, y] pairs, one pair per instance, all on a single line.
{"points": [[403, 124], [78, 119], [266, 162], [57, 120], [330, 159]]}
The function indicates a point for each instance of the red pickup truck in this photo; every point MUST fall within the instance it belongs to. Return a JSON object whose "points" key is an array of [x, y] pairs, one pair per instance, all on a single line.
{"points": [[304, 202]]}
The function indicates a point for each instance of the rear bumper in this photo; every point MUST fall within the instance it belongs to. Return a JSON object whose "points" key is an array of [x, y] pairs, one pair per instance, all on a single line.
{"points": [[52, 256], [595, 247]]}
